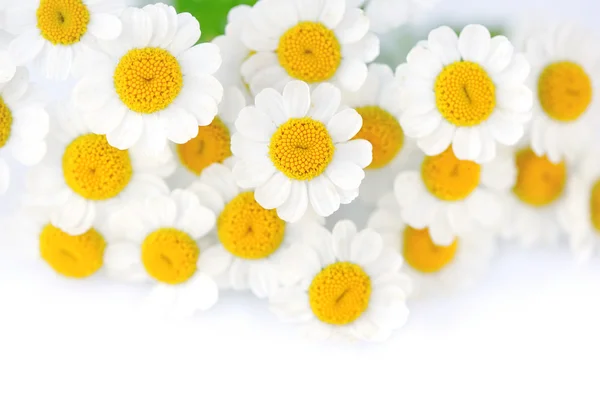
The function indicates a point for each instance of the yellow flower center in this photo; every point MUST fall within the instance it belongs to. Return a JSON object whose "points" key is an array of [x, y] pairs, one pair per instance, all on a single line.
{"points": [[170, 255], [301, 148], [72, 256], [211, 145], [62, 22], [94, 169], [310, 52], [5, 122], [564, 90], [539, 181], [422, 254], [595, 206], [249, 231], [449, 178], [147, 80], [465, 94], [340, 293], [384, 133]]}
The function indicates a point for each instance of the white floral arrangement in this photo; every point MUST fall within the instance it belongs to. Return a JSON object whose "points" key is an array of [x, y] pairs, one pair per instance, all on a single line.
{"points": [[204, 167]]}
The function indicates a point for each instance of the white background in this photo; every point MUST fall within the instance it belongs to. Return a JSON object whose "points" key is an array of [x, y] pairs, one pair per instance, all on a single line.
{"points": [[531, 329]]}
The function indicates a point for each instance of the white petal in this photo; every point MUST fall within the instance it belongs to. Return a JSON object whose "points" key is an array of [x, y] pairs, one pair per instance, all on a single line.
{"points": [[325, 101], [105, 26], [7, 67], [255, 124], [245, 148], [516, 73], [238, 275], [76, 216], [193, 218], [343, 234], [199, 294], [139, 23], [203, 58], [92, 92], [323, 196], [443, 42], [500, 55], [332, 13], [263, 279], [438, 141], [272, 104], [504, 128], [188, 34], [351, 74], [203, 83], [440, 230], [26, 47], [296, 205], [296, 98], [274, 192], [358, 151], [467, 143], [344, 125], [28, 152], [419, 126], [214, 260], [366, 247], [4, 176], [474, 43], [353, 27], [128, 133], [253, 173], [122, 261], [108, 119], [517, 99], [424, 63], [202, 106], [346, 175]]}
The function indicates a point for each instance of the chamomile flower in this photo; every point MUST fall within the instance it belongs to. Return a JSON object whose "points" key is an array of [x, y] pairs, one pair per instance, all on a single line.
{"points": [[295, 148], [468, 91], [249, 239], [450, 196], [386, 15], [24, 125], [212, 143], [156, 85], [156, 240], [534, 203], [349, 285], [376, 102], [434, 269], [82, 175], [57, 33], [314, 41], [565, 81]]}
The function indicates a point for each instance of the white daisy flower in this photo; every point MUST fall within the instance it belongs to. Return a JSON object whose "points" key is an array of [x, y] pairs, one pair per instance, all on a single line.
{"points": [[249, 239], [156, 240], [310, 40], [349, 285], [434, 269], [212, 143], [386, 15], [377, 103], [294, 149], [565, 79], [532, 206], [56, 34], [82, 175], [451, 197], [24, 125], [156, 86], [468, 91]]}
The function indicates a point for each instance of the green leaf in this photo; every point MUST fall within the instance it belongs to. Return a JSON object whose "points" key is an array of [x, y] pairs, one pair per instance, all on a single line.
{"points": [[212, 14]]}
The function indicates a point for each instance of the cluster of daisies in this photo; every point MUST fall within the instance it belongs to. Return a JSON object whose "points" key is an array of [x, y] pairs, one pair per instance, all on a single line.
{"points": [[198, 168]]}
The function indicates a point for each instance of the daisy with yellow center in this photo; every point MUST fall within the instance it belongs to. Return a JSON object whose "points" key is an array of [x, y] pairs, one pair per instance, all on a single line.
{"points": [[24, 125], [564, 80], [249, 239], [348, 283], [434, 269], [386, 15], [377, 103], [155, 85], [314, 41], [58, 34], [451, 197], [157, 240], [467, 91], [296, 149], [82, 175]]}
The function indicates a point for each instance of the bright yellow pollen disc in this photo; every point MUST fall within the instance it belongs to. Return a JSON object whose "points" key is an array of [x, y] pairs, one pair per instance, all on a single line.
{"points": [[384, 133], [170, 255], [340, 293], [211, 145], [564, 90], [539, 181], [595, 206], [62, 22], [5, 122], [310, 52], [249, 231], [422, 254], [148, 79], [449, 178], [465, 94], [94, 169], [301, 148], [72, 256]]}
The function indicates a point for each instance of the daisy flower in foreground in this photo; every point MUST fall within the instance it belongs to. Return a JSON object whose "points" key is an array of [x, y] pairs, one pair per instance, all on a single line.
{"points": [[212, 144], [349, 284], [376, 102], [24, 125], [156, 240], [450, 196], [386, 15], [294, 149], [56, 33], [434, 269], [249, 239], [156, 85], [565, 80], [468, 91], [313, 41], [82, 175]]}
